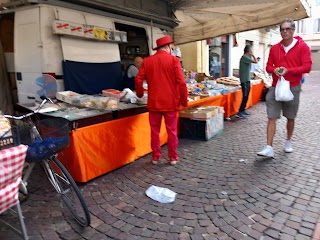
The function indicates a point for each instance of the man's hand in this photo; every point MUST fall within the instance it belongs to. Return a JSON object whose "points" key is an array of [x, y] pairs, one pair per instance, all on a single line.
{"points": [[254, 58], [284, 71], [280, 71]]}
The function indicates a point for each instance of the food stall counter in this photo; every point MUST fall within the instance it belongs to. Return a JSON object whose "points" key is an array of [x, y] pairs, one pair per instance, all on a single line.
{"points": [[97, 149]]}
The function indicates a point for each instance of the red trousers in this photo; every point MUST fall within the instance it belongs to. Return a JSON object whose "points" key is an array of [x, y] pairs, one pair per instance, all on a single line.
{"points": [[171, 119]]}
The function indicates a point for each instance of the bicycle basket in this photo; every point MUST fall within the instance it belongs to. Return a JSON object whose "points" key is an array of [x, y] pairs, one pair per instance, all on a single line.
{"points": [[10, 138], [55, 135]]}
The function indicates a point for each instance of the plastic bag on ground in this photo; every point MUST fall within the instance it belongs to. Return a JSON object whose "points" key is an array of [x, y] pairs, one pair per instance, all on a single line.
{"points": [[162, 195]]}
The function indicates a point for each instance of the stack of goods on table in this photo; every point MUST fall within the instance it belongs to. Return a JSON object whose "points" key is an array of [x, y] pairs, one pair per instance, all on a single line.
{"points": [[231, 84], [209, 86], [131, 97], [202, 123], [265, 78], [90, 101], [233, 81], [9, 136]]}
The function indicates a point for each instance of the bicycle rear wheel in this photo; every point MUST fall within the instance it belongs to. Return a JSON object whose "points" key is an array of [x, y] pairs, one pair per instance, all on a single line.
{"points": [[68, 190]]}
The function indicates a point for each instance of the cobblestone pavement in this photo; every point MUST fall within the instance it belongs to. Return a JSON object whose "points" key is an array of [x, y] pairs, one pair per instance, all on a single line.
{"points": [[218, 197]]}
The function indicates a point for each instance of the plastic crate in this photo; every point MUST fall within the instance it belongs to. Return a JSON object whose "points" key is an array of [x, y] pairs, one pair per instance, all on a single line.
{"points": [[10, 138], [113, 93]]}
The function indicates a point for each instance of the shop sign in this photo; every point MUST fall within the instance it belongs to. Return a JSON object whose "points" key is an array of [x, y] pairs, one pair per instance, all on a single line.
{"points": [[88, 31]]}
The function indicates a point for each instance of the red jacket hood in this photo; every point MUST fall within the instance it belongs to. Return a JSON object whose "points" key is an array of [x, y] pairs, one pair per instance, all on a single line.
{"points": [[296, 37]]}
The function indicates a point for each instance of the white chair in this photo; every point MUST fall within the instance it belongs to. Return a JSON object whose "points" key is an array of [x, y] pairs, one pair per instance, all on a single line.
{"points": [[11, 166]]}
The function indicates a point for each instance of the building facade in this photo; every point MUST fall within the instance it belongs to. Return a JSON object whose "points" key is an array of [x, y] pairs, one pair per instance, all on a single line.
{"points": [[309, 30], [220, 56]]}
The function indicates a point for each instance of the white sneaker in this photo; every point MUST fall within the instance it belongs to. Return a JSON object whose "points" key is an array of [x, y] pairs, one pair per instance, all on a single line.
{"points": [[266, 152], [288, 147]]}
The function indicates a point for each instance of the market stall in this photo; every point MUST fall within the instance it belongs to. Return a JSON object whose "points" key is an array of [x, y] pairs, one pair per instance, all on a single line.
{"points": [[100, 148], [111, 129]]}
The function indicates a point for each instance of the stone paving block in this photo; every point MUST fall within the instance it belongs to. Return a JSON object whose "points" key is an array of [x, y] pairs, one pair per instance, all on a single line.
{"points": [[277, 226], [159, 235], [227, 229], [259, 227], [308, 225], [237, 235], [287, 237], [302, 237], [292, 224], [306, 231], [163, 227], [289, 231], [209, 237], [196, 237], [184, 236]]}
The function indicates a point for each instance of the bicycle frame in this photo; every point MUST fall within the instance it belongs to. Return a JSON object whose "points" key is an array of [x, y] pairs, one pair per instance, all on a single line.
{"points": [[51, 176], [35, 135], [57, 174]]}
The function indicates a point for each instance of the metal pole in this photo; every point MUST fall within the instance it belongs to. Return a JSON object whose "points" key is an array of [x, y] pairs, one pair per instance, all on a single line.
{"points": [[151, 23]]}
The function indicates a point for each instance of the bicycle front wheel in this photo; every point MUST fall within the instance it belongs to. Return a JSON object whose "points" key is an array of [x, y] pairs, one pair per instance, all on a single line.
{"points": [[68, 190]]}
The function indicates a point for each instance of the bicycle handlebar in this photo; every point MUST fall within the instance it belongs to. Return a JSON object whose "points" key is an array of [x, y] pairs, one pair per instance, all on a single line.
{"points": [[45, 99]]}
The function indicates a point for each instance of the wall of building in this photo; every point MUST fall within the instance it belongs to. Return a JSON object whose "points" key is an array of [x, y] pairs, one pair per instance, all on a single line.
{"points": [[189, 55], [309, 30], [195, 56], [203, 56]]}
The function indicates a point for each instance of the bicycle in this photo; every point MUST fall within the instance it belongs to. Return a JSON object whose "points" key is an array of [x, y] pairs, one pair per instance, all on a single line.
{"points": [[46, 141]]}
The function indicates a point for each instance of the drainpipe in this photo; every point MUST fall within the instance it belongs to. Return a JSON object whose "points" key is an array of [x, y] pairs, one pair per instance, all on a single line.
{"points": [[201, 57], [151, 44], [229, 55]]}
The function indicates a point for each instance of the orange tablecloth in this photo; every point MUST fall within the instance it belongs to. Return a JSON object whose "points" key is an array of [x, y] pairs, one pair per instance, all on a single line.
{"points": [[232, 101], [101, 148]]}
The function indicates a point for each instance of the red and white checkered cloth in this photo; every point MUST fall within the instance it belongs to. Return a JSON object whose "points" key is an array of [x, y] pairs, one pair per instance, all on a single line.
{"points": [[11, 166]]}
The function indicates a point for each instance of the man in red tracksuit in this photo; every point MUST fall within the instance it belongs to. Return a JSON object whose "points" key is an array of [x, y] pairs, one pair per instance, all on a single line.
{"points": [[167, 91], [290, 58]]}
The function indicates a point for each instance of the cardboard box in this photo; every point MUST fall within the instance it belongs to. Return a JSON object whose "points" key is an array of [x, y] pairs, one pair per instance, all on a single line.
{"points": [[201, 77], [201, 112], [201, 129], [194, 97]]}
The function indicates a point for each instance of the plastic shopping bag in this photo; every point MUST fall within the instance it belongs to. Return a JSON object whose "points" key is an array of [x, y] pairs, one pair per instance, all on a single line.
{"points": [[283, 92], [159, 194]]}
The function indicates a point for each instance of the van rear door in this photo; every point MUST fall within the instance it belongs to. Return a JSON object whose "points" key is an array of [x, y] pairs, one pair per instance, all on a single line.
{"points": [[27, 53]]}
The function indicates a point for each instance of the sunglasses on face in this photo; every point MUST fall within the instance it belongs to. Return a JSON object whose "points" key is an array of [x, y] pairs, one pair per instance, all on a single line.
{"points": [[286, 29]]}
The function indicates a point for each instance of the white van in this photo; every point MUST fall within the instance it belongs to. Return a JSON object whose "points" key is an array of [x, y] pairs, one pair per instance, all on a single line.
{"points": [[32, 48]]}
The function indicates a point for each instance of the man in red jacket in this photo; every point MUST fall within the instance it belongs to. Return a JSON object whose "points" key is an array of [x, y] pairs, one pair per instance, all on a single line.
{"points": [[167, 91], [290, 58]]}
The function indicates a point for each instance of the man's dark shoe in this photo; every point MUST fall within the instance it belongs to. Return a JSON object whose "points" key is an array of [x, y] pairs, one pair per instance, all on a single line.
{"points": [[245, 113], [240, 115]]}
